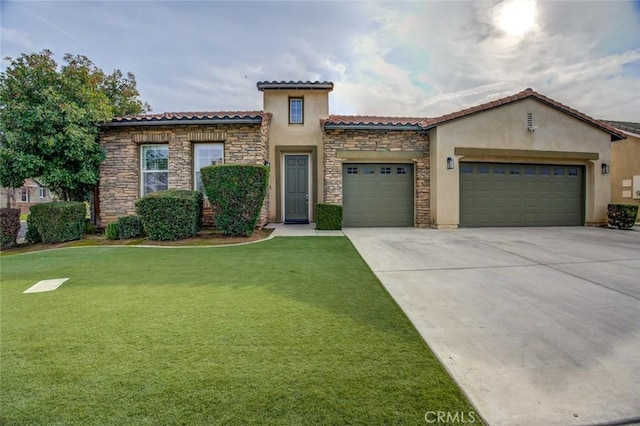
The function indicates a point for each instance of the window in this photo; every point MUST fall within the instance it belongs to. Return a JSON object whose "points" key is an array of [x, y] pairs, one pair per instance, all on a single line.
{"points": [[558, 171], [352, 170], [545, 171], [205, 154], [369, 170], [573, 171], [401, 171], [385, 170], [482, 169], [24, 195], [529, 171], [42, 192], [155, 168], [514, 170], [498, 170], [296, 113], [466, 169]]}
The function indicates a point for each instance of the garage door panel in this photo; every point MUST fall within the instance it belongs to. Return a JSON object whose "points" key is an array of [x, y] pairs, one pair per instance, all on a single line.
{"points": [[378, 195], [520, 194]]}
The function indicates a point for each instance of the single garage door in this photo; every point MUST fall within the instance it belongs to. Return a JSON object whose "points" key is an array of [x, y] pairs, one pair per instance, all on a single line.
{"points": [[496, 194], [377, 194]]}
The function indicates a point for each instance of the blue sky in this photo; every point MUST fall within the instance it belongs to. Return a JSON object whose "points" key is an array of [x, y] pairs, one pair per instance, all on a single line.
{"points": [[386, 58]]}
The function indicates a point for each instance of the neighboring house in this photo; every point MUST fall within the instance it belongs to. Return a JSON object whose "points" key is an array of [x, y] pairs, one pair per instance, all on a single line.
{"points": [[523, 160], [625, 164], [32, 192]]}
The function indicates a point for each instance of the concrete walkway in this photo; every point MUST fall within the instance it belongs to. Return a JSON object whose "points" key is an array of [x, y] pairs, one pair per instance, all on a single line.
{"points": [[300, 230], [538, 326]]}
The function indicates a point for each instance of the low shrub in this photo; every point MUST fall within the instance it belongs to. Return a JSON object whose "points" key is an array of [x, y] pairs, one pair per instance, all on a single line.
{"points": [[58, 221], [236, 193], [9, 227], [328, 216], [130, 227], [172, 214], [89, 228], [622, 216], [32, 235], [112, 232]]}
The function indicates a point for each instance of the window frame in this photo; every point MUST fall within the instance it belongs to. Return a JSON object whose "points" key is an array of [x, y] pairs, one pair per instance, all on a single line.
{"points": [[25, 195], [296, 99], [42, 192], [196, 171], [142, 164]]}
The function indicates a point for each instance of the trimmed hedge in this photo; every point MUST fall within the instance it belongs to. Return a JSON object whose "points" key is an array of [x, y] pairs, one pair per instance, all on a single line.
{"points": [[9, 227], [130, 227], [56, 222], [172, 214], [622, 216], [328, 217], [236, 193], [126, 227]]}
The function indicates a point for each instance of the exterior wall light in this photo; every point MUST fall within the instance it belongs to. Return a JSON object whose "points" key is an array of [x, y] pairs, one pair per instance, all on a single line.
{"points": [[449, 163], [605, 169]]}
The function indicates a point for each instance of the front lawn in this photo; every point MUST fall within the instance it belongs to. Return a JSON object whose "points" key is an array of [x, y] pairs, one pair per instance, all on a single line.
{"points": [[287, 331]]}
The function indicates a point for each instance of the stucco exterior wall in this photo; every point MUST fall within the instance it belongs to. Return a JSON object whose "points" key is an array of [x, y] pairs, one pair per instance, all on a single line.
{"points": [[283, 136], [120, 175], [505, 128], [625, 164], [387, 147]]}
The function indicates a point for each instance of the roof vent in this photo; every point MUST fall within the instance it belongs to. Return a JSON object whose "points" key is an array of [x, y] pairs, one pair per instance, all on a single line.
{"points": [[530, 126]]}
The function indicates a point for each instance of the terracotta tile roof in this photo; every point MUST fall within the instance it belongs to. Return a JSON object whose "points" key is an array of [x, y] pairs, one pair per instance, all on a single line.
{"points": [[298, 85], [527, 93], [625, 126], [172, 117], [356, 121], [371, 120]]}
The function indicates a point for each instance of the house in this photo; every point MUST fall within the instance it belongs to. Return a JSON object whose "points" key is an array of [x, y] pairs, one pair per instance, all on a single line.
{"points": [[524, 160], [625, 164], [33, 191]]}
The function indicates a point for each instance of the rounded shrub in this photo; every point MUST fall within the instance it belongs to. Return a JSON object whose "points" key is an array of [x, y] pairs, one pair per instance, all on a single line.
{"points": [[56, 222], [112, 232], [130, 227], [236, 193], [172, 214], [622, 216]]}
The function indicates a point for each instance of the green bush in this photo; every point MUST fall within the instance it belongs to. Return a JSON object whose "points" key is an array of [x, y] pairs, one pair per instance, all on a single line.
{"points": [[32, 236], [57, 222], [89, 228], [9, 227], [236, 193], [113, 231], [328, 216], [622, 216], [130, 227], [173, 214]]}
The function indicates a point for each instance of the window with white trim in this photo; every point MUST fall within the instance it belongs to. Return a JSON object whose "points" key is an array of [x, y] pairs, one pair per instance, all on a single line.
{"points": [[42, 192], [296, 111], [205, 154], [154, 167], [24, 195]]}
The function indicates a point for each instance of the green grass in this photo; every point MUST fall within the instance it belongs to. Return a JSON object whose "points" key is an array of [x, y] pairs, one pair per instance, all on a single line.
{"points": [[287, 331]]}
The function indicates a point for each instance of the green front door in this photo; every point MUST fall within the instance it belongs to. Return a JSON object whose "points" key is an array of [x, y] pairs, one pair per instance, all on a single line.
{"points": [[296, 189], [497, 194], [377, 194]]}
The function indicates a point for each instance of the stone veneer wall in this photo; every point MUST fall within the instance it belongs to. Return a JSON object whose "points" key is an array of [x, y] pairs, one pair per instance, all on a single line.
{"points": [[120, 172], [383, 141]]}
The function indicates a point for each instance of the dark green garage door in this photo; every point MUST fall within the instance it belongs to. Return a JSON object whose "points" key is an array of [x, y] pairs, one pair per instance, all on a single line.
{"points": [[377, 194], [495, 194]]}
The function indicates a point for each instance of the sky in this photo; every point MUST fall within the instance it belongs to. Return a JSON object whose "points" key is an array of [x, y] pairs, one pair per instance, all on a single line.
{"points": [[394, 58]]}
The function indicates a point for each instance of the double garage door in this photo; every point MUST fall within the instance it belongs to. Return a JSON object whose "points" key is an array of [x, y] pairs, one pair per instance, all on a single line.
{"points": [[377, 194], [496, 194]]}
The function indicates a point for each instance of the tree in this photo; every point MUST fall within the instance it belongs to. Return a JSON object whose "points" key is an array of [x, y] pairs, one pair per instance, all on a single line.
{"points": [[49, 120]]}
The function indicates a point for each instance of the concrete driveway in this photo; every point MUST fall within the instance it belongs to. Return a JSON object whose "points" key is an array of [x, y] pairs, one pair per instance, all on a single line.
{"points": [[539, 326]]}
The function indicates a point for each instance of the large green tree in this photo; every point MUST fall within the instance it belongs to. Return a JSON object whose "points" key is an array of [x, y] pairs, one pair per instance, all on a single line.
{"points": [[49, 118]]}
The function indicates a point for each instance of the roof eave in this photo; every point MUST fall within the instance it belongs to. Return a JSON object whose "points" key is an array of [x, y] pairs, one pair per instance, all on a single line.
{"points": [[244, 120], [329, 126]]}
